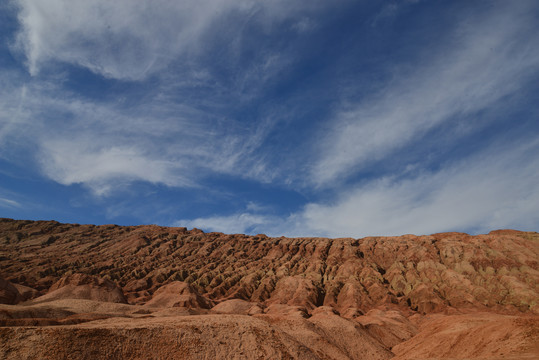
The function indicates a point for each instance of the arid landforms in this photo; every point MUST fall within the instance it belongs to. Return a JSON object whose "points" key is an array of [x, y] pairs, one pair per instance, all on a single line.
{"points": [[70, 291]]}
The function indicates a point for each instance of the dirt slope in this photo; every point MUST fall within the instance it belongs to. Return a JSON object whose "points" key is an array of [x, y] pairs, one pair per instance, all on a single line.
{"points": [[482, 335]]}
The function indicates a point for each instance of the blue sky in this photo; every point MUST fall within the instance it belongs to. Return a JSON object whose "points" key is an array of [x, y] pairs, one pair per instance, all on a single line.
{"points": [[296, 118]]}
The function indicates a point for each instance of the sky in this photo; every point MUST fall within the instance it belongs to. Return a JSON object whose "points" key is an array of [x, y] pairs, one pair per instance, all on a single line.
{"points": [[282, 117]]}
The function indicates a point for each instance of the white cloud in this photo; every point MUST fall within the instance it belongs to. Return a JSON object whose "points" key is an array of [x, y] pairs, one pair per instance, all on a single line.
{"points": [[489, 56], [71, 162], [174, 137], [244, 223], [13, 113], [117, 39], [496, 189], [171, 136], [256, 207], [256, 219], [129, 40], [9, 203], [304, 25], [104, 145]]}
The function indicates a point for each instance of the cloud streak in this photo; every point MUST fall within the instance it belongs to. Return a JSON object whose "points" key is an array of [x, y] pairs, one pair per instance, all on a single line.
{"points": [[76, 140], [9, 203], [179, 131], [213, 106], [495, 189], [245, 223], [487, 58], [483, 67], [131, 41]]}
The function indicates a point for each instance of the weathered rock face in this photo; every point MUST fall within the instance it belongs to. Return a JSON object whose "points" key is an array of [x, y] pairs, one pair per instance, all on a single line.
{"points": [[237, 306], [26, 292], [81, 286], [178, 294], [427, 274], [9, 293]]}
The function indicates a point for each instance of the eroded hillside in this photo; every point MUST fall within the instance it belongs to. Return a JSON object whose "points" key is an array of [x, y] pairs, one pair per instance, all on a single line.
{"points": [[423, 273], [380, 289]]}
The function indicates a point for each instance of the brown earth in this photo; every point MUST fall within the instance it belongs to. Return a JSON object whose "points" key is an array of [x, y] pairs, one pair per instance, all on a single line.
{"points": [[100, 292]]}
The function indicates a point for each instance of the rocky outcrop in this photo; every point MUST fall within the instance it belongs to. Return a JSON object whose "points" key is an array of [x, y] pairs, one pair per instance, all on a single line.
{"points": [[81, 286], [178, 294], [237, 306], [9, 293], [26, 292]]}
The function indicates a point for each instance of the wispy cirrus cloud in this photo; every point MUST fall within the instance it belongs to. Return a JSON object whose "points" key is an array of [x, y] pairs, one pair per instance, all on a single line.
{"points": [[257, 106], [245, 223], [473, 80], [9, 203], [180, 129], [75, 162], [131, 41], [76, 140], [498, 188], [488, 56]]}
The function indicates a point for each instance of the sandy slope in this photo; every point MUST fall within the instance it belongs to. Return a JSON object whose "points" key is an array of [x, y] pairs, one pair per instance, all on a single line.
{"points": [[125, 332], [477, 335]]}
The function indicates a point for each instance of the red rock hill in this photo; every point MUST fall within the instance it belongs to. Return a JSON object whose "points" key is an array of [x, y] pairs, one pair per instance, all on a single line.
{"points": [[426, 274], [131, 292]]}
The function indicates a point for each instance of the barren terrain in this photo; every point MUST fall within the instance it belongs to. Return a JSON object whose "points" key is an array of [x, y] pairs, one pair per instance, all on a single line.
{"points": [[70, 291]]}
